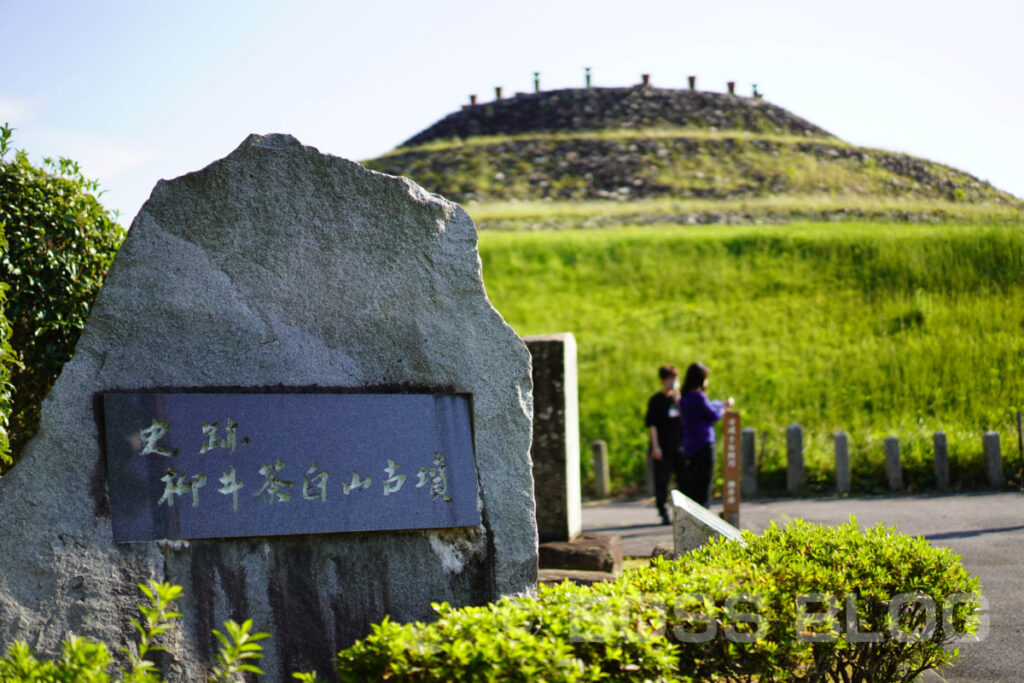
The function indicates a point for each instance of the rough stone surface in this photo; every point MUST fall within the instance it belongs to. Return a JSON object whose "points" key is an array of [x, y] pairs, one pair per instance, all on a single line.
{"points": [[593, 552], [555, 450], [275, 267], [603, 108], [693, 524]]}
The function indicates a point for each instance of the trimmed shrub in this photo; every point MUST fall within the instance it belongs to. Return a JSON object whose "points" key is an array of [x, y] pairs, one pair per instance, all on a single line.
{"points": [[816, 603], [801, 602], [60, 244], [563, 633]]}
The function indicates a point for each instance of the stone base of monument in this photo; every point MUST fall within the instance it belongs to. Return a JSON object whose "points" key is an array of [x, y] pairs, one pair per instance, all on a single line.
{"points": [[577, 576], [665, 550], [694, 524], [581, 559]]}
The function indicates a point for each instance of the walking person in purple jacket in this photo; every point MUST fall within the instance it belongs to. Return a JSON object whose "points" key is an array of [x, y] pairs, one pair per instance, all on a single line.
{"points": [[697, 416]]}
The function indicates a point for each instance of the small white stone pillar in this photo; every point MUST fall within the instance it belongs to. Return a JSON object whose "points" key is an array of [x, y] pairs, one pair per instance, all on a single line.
{"points": [[694, 524], [556, 437]]}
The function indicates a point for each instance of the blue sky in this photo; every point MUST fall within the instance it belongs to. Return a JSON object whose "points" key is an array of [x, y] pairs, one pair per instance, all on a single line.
{"points": [[148, 89]]}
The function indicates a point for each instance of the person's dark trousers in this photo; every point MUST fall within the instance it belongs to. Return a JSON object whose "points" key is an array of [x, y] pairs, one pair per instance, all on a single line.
{"points": [[697, 480], [663, 471]]}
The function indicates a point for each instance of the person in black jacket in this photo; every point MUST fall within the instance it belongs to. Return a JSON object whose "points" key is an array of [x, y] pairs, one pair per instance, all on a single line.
{"points": [[663, 425]]}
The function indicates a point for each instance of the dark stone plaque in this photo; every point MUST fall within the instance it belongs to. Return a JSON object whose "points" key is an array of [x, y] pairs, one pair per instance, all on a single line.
{"points": [[215, 465]]}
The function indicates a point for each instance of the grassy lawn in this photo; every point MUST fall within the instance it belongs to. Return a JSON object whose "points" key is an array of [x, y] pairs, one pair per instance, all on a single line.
{"points": [[522, 214], [876, 329]]}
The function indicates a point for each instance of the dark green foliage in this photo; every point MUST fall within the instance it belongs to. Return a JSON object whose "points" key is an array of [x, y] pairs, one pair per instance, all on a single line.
{"points": [[763, 605], [87, 661], [746, 598], [857, 574], [60, 243], [564, 633], [6, 362]]}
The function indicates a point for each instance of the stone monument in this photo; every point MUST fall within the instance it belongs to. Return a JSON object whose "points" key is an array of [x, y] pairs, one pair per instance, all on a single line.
{"points": [[277, 274]]}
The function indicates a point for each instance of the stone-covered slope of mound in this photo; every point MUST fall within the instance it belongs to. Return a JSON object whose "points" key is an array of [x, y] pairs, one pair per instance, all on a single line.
{"points": [[592, 109], [656, 164], [633, 145]]}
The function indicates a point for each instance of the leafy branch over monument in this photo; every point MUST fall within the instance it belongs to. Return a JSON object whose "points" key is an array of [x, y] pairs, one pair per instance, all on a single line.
{"points": [[61, 241]]}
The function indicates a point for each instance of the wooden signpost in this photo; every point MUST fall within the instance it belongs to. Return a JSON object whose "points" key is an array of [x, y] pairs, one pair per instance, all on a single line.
{"points": [[731, 469]]}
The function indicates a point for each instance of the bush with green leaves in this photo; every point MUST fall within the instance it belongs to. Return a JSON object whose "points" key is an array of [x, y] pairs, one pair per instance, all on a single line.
{"points": [[801, 602], [816, 603], [87, 661], [60, 244], [563, 633], [6, 363]]}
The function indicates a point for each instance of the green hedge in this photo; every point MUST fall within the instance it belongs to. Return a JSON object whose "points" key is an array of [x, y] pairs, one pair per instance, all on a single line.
{"points": [[6, 362], [795, 603], [774, 608], [60, 244], [83, 660]]}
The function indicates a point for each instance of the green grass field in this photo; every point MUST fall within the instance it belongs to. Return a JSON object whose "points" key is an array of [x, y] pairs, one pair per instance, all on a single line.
{"points": [[875, 329]]}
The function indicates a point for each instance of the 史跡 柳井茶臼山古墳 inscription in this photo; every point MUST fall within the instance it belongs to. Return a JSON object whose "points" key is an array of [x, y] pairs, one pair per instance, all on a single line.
{"points": [[218, 465]]}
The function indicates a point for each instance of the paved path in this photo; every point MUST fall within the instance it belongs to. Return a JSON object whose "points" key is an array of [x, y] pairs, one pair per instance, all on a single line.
{"points": [[986, 529]]}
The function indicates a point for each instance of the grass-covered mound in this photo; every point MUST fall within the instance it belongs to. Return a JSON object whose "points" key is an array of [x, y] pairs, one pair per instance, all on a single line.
{"points": [[873, 329], [678, 164], [614, 156], [801, 602]]}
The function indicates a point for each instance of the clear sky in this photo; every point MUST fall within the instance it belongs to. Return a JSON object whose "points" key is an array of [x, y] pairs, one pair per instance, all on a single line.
{"points": [[138, 90]]}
